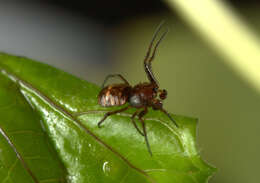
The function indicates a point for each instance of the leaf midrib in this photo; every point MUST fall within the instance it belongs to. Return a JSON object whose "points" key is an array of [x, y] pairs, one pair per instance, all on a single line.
{"points": [[21, 82]]}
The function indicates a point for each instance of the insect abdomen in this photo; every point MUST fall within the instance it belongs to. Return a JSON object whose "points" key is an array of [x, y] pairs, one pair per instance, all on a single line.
{"points": [[114, 95]]}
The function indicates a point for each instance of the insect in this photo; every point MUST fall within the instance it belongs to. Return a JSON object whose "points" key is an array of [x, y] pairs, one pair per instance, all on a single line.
{"points": [[140, 96]]}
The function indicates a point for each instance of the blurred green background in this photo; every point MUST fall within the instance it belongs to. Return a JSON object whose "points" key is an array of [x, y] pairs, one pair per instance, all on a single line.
{"points": [[201, 85], [104, 38]]}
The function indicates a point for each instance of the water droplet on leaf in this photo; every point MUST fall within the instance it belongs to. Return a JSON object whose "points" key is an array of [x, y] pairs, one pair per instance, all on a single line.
{"points": [[106, 168]]}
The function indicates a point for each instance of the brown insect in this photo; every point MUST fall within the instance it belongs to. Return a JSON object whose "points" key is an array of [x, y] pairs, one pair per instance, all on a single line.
{"points": [[140, 96]]}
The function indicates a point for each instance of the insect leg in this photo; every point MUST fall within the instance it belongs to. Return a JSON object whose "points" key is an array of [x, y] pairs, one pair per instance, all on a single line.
{"points": [[115, 75], [134, 123], [140, 115], [111, 113], [165, 112]]}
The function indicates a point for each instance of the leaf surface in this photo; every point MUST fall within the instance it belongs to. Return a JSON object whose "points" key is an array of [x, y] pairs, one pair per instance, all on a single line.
{"points": [[49, 133]]}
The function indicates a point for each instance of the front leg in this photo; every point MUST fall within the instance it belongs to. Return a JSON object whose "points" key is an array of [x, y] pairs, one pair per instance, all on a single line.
{"points": [[134, 123], [140, 115]]}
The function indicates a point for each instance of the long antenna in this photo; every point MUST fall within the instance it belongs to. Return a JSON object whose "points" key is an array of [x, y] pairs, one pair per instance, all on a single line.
{"points": [[157, 44], [154, 36], [148, 59]]}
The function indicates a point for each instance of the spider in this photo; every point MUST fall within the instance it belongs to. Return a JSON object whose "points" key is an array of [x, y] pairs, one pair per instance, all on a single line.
{"points": [[140, 96]]}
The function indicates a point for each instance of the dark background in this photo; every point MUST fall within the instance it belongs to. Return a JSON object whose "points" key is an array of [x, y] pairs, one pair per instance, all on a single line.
{"points": [[117, 11]]}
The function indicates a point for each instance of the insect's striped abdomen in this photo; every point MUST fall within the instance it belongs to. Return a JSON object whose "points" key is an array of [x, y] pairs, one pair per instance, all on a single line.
{"points": [[114, 95]]}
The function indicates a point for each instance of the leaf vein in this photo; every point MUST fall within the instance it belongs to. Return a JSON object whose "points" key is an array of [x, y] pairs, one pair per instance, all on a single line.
{"points": [[124, 177], [10, 170], [24, 132], [18, 155], [43, 97], [51, 180], [129, 115]]}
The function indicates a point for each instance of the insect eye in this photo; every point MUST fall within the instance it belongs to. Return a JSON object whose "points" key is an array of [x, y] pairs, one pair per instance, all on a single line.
{"points": [[155, 90], [163, 94]]}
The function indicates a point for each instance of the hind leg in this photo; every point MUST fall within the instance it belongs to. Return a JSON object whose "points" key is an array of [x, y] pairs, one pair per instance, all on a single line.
{"points": [[111, 113], [112, 76]]}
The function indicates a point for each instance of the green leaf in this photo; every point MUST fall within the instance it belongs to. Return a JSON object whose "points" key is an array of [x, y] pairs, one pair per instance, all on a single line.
{"points": [[49, 133]]}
